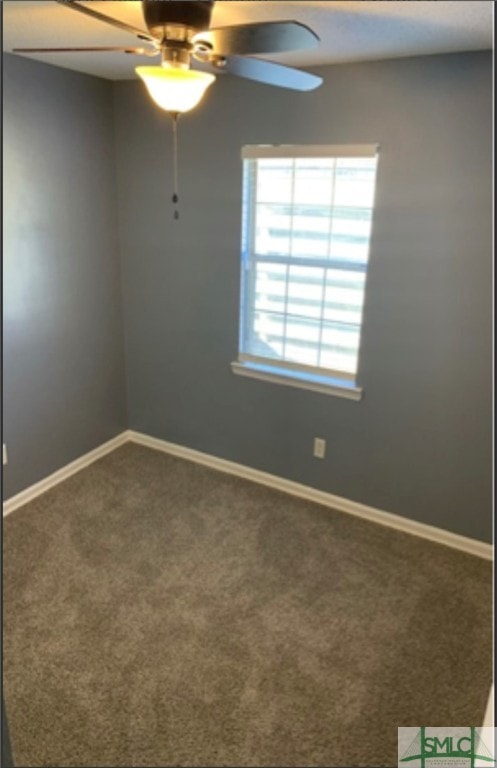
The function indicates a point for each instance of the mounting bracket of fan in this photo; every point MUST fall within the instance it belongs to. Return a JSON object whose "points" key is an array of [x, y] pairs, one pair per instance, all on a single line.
{"points": [[161, 17]]}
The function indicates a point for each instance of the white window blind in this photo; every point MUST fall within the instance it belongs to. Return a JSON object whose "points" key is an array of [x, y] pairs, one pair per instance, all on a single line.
{"points": [[307, 218]]}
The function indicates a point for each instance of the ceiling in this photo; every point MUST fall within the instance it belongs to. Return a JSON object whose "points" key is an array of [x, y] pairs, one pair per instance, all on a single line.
{"points": [[349, 31]]}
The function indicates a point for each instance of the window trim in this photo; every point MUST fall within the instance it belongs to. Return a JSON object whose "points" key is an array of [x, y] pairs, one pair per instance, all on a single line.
{"points": [[261, 151], [337, 383], [325, 384]]}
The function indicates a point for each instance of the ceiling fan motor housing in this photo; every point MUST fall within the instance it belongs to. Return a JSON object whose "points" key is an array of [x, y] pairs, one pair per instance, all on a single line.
{"points": [[159, 14]]}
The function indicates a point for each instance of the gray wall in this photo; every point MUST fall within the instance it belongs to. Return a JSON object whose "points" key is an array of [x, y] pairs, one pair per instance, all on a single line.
{"points": [[419, 444], [64, 383]]}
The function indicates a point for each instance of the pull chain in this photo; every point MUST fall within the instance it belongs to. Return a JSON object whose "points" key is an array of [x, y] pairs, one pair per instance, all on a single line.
{"points": [[175, 197]]}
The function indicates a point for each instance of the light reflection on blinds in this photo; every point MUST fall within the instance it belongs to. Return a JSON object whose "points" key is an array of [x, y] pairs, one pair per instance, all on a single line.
{"points": [[307, 227]]}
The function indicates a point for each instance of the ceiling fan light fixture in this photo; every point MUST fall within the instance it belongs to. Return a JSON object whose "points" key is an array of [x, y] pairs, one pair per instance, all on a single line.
{"points": [[174, 89]]}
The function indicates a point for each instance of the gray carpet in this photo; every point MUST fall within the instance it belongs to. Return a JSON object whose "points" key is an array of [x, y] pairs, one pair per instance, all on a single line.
{"points": [[158, 613]]}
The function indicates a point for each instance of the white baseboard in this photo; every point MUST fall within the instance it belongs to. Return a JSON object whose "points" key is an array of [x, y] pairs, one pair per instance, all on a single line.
{"points": [[438, 535], [488, 721], [62, 474]]}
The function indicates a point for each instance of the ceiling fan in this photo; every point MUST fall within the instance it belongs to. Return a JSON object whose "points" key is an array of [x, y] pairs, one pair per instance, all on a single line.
{"points": [[180, 33]]}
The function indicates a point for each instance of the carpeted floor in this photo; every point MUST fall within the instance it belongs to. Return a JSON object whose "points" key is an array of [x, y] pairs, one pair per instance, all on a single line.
{"points": [[158, 613]]}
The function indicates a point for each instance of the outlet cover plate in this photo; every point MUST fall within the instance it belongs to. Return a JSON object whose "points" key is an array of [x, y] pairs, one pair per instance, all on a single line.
{"points": [[319, 448]]}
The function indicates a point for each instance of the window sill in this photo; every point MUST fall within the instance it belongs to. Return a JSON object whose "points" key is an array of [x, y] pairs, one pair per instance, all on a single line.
{"points": [[324, 384]]}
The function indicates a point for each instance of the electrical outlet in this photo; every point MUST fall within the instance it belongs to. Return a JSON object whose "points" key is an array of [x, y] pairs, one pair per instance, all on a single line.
{"points": [[4, 452], [319, 448]]}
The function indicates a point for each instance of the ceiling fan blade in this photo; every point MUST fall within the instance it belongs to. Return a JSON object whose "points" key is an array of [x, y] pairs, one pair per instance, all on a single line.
{"points": [[75, 6], [254, 39], [272, 74], [138, 51]]}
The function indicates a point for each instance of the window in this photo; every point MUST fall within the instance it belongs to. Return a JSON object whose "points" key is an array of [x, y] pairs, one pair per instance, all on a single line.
{"points": [[307, 217]]}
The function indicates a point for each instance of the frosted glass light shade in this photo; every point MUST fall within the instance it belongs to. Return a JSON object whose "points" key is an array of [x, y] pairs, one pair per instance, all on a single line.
{"points": [[174, 89]]}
